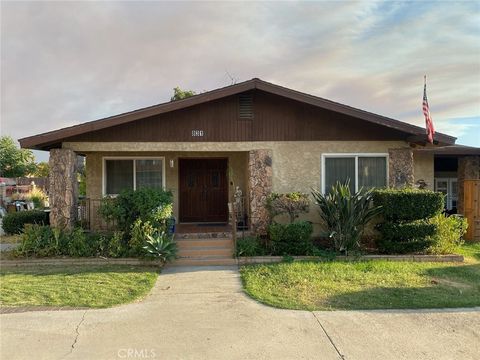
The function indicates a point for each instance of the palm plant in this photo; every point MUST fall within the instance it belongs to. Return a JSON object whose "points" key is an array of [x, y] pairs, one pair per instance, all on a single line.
{"points": [[161, 246], [345, 214]]}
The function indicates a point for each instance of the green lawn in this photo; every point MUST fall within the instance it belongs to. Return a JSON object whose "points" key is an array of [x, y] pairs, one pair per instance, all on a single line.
{"points": [[366, 284], [95, 287]]}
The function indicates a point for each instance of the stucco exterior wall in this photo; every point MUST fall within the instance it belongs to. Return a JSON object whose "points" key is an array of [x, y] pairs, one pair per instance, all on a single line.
{"points": [[296, 166], [423, 168]]}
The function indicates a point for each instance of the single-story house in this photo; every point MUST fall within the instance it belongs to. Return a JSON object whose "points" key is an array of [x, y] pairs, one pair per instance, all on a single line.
{"points": [[254, 135]]}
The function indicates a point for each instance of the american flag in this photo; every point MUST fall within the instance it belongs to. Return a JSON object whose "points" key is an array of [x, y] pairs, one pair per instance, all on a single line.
{"points": [[426, 111]]}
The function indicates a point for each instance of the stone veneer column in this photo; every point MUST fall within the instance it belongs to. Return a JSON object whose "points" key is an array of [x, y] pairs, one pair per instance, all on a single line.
{"points": [[468, 169], [260, 183], [400, 167], [63, 190]]}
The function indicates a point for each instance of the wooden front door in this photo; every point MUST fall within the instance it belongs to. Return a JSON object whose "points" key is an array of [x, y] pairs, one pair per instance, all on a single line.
{"points": [[203, 190]]}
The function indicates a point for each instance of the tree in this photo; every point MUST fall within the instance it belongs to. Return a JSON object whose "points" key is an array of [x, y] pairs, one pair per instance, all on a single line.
{"points": [[14, 162], [41, 169], [179, 94]]}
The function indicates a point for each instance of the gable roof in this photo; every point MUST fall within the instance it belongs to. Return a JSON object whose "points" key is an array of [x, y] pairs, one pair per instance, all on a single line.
{"points": [[45, 140]]}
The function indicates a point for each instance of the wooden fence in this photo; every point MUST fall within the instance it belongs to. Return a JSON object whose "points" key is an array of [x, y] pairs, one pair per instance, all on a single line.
{"points": [[472, 209]]}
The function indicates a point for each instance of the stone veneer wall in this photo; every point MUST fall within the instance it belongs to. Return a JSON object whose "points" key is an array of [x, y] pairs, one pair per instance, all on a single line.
{"points": [[63, 190], [468, 169], [400, 167], [260, 186]]}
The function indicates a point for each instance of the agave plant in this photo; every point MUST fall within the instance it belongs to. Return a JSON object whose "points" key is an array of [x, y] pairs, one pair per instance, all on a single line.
{"points": [[161, 246], [346, 214]]}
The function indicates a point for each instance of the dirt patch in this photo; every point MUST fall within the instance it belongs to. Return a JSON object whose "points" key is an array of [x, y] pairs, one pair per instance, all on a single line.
{"points": [[455, 284]]}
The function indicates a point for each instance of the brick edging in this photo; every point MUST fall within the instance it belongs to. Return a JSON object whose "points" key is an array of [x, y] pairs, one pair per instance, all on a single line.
{"points": [[78, 261], [413, 258]]}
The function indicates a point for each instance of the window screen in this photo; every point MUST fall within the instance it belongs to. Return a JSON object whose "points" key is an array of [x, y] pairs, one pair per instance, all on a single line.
{"points": [[149, 173], [372, 172], [119, 175], [340, 169]]}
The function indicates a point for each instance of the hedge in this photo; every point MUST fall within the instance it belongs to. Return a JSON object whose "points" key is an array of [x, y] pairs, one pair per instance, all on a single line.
{"points": [[291, 239], [13, 223], [403, 247], [415, 230], [406, 237], [408, 204], [407, 213]]}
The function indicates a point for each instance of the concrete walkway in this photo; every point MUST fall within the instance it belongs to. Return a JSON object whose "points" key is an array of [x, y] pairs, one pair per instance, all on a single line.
{"points": [[201, 313], [8, 247]]}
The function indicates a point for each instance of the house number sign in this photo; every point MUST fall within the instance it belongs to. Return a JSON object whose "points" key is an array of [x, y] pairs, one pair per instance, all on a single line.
{"points": [[197, 133]]}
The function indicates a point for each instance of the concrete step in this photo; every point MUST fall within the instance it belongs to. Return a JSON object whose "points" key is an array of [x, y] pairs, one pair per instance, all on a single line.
{"points": [[206, 251], [204, 261], [210, 235], [202, 243], [207, 235]]}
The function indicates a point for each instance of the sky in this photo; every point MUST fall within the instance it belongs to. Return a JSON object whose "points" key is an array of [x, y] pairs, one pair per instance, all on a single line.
{"points": [[64, 63]]}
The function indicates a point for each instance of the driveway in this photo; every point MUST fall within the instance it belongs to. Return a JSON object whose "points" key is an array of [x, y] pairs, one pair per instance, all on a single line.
{"points": [[201, 313]]}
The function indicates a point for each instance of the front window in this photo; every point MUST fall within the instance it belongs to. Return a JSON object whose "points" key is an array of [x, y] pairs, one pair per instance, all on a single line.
{"points": [[362, 171], [121, 174]]}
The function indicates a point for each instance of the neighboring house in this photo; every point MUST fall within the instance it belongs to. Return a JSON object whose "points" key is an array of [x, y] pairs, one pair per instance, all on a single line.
{"points": [[260, 136]]}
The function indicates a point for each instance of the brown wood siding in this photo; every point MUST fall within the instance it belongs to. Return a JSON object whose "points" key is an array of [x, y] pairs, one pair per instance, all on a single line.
{"points": [[275, 119]]}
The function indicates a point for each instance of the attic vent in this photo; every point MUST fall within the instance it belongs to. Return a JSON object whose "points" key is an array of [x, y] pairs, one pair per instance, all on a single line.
{"points": [[245, 106]]}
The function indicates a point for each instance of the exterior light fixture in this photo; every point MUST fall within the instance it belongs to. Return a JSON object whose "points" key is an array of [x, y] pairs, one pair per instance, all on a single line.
{"points": [[172, 163]]}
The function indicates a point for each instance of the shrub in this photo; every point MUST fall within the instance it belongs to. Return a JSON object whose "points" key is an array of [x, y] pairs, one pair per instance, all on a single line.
{"points": [[249, 246], [42, 240], [138, 234], [161, 246], [154, 205], [345, 215], [291, 239], [116, 245], [414, 230], [408, 204], [293, 204], [38, 197], [13, 223], [448, 236], [405, 237], [38, 240], [407, 213], [77, 244]]}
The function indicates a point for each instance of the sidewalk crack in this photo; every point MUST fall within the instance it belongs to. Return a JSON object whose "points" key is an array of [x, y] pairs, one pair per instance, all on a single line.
{"points": [[77, 333], [328, 336]]}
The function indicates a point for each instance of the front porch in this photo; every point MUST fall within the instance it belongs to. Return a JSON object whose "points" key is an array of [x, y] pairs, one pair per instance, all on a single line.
{"points": [[202, 183]]}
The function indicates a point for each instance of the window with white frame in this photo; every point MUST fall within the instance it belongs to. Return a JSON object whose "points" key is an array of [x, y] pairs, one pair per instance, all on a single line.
{"points": [[361, 170], [132, 173]]}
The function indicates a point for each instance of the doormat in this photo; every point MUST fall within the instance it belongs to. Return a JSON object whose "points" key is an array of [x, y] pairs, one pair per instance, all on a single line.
{"points": [[212, 224]]}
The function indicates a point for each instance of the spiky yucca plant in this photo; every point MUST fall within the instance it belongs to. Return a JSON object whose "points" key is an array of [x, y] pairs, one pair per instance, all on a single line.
{"points": [[161, 246], [346, 214]]}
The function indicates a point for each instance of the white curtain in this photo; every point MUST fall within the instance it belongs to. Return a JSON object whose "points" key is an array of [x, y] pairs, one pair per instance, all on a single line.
{"points": [[372, 172], [149, 173]]}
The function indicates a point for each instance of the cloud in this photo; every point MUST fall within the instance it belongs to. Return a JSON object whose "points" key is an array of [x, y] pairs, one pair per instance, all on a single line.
{"points": [[64, 63]]}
